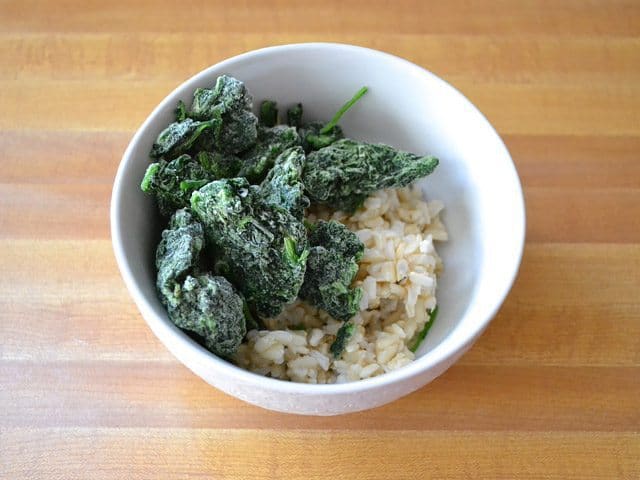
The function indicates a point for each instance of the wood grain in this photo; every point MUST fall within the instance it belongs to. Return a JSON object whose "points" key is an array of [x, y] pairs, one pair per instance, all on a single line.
{"points": [[550, 390], [174, 56], [60, 157], [614, 18], [576, 162], [119, 394], [186, 453], [72, 211], [594, 215]]}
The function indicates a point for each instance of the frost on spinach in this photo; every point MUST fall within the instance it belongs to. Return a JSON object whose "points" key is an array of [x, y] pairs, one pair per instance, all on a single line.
{"points": [[172, 182], [228, 105], [220, 119], [238, 132], [229, 93], [272, 141], [198, 302], [210, 307], [180, 136], [263, 246], [346, 172], [332, 265], [283, 185], [178, 253]]}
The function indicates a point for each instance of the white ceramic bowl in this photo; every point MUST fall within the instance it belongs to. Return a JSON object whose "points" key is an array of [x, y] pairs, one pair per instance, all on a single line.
{"points": [[407, 107]]}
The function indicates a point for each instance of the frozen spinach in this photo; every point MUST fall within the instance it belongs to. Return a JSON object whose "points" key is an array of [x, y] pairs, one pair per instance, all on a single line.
{"points": [[271, 142], [198, 302], [346, 172], [263, 246], [332, 265], [283, 186]]}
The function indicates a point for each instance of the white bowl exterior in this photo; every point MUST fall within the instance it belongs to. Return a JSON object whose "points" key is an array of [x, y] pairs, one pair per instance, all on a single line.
{"points": [[407, 107]]}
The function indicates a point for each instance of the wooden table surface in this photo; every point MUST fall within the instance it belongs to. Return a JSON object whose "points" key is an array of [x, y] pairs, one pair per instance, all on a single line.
{"points": [[551, 390]]}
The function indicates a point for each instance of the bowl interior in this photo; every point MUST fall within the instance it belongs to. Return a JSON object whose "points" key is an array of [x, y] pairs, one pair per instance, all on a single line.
{"points": [[406, 107]]}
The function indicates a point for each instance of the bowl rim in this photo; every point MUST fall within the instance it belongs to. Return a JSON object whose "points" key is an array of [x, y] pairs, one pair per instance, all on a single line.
{"points": [[444, 350]]}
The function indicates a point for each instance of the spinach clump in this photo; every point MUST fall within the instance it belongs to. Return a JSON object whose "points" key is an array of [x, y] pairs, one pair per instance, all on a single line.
{"points": [[331, 268], [197, 301], [346, 172], [262, 246], [283, 185], [234, 188], [270, 142]]}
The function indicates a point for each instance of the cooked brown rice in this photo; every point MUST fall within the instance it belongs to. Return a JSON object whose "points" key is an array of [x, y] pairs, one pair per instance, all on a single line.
{"points": [[398, 276]]}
